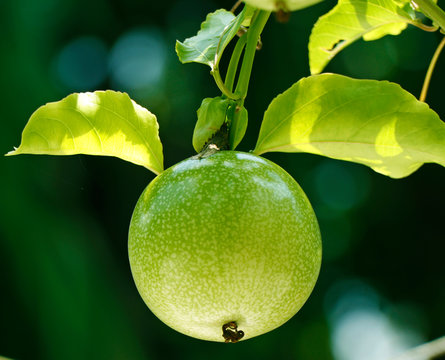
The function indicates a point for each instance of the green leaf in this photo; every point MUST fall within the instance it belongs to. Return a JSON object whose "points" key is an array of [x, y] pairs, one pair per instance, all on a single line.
{"points": [[375, 123], [208, 45], [350, 20], [99, 123], [212, 114], [238, 126]]}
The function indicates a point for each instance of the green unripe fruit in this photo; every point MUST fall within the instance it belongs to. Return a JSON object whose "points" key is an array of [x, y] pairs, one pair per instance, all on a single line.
{"points": [[281, 5], [226, 242]]}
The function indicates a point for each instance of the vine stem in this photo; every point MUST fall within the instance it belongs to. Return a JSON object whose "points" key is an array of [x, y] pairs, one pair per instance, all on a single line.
{"points": [[235, 6], [429, 350], [429, 73], [234, 61], [259, 20], [432, 11]]}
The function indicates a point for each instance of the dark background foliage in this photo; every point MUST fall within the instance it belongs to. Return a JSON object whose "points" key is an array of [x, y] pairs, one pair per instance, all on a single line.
{"points": [[65, 282]]}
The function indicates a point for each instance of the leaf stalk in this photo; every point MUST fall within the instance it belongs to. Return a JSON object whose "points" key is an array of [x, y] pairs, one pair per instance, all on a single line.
{"points": [[220, 83], [432, 11]]}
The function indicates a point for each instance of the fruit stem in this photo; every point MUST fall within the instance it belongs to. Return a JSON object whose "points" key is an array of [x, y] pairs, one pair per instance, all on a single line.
{"points": [[234, 61], [258, 22]]}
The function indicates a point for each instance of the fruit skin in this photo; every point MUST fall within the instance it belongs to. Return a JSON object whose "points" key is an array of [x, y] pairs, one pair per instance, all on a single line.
{"points": [[283, 5], [229, 237]]}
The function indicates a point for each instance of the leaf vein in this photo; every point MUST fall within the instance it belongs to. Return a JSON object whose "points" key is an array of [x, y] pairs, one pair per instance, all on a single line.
{"points": [[66, 126], [280, 123]]}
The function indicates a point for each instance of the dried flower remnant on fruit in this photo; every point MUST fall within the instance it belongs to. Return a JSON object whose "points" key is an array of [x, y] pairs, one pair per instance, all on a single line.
{"points": [[282, 14], [231, 332]]}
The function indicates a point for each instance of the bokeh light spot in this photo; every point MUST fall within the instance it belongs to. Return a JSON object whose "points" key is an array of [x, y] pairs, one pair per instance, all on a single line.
{"points": [[360, 329], [341, 186], [81, 65], [138, 60]]}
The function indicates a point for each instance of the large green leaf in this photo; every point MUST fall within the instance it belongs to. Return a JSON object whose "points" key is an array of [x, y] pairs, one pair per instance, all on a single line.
{"points": [[350, 20], [99, 123], [375, 123], [208, 45]]}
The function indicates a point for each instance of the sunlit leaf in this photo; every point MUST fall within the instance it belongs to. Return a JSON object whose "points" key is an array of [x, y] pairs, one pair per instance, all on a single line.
{"points": [[99, 123], [375, 123], [351, 20], [208, 45]]}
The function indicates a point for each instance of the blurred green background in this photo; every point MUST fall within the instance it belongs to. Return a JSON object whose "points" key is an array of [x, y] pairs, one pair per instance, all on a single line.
{"points": [[65, 282]]}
